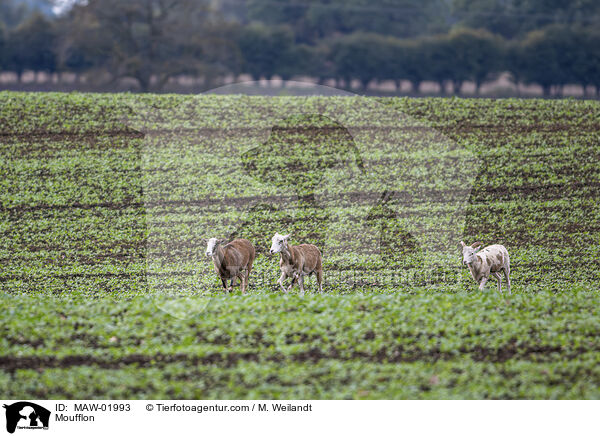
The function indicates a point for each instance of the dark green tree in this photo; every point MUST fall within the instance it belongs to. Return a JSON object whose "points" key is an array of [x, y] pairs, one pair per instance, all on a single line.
{"points": [[438, 61], [477, 54], [303, 60], [413, 62], [13, 13], [549, 57], [360, 56], [539, 61], [267, 51], [315, 19], [32, 45], [586, 66], [593, 68], [81, 44], [3, 48], [515, 18], [515, 61], [318, 63]]}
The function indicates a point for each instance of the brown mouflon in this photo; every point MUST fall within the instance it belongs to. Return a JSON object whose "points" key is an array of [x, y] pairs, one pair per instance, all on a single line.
{"points": [[297, 261], [232, 260]]}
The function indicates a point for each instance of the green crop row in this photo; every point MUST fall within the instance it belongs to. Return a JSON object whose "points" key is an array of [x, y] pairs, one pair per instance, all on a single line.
{"points": [[106, 200]]}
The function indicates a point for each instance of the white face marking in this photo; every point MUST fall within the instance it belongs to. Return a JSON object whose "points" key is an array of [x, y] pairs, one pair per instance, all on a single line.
{"points": [[211, 246], [468, 255], [278, 243]]}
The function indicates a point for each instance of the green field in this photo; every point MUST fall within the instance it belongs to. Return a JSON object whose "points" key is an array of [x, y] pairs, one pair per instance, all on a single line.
{"points": [[105, 291]]}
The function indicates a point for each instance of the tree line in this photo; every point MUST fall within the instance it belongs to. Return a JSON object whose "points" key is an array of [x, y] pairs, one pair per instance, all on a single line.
{"points": [[152, 41]]}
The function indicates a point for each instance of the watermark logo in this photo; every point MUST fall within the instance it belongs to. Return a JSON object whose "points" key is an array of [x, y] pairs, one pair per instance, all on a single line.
{"points": [[25, 415]]}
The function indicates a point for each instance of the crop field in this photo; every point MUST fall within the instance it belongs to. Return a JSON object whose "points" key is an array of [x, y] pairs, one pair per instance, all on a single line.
{"points": [[106, 292]]}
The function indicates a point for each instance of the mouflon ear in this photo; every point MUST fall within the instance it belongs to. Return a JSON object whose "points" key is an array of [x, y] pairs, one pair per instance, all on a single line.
{"points": [[287, 236], [475, 244], [462, 244]]}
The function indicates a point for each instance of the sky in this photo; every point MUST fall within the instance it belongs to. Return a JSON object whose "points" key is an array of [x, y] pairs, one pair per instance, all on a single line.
{"points": [[61, 6]]}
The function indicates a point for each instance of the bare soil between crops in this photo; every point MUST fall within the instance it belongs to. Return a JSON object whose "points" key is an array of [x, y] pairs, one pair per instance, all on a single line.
{"points": [[313, 355]]}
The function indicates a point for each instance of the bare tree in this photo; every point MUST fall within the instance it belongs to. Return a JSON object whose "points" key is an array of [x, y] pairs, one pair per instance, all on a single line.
{"points": [[147, 40]]}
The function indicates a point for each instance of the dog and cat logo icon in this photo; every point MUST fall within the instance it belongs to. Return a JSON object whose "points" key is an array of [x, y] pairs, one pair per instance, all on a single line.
{"points": [[26, 415]]}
